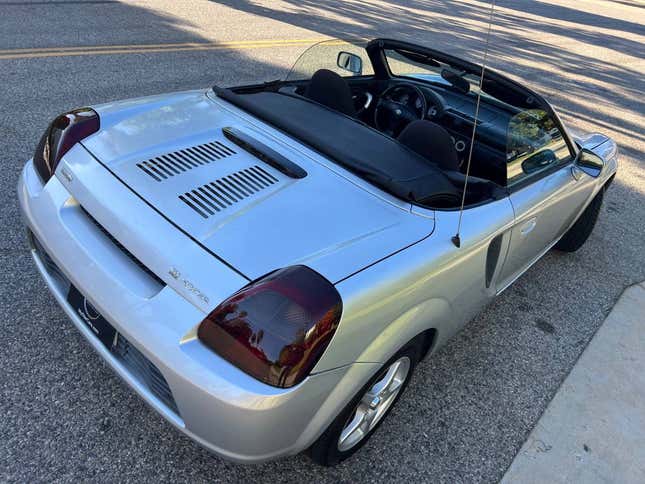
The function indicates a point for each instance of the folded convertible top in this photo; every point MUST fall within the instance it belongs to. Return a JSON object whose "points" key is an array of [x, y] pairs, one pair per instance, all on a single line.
{"points": [[357, 147]]}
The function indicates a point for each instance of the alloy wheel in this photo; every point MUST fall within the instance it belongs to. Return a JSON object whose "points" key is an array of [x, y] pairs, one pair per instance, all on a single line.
{"points": [[374, 404]]}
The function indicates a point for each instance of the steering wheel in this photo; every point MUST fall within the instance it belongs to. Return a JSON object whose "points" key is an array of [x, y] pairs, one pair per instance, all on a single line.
{"points": [[402, 104]]}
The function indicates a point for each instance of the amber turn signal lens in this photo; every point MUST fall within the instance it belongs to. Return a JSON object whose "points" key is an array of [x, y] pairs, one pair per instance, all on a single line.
{"points": [[276, 328]]}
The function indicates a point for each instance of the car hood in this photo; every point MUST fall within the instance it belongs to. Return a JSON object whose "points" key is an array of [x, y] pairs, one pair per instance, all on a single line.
{"points": [[172, 152]]}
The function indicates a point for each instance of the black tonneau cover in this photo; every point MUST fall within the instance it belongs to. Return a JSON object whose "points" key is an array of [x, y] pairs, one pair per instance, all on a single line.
{"points": [[371, 155]]}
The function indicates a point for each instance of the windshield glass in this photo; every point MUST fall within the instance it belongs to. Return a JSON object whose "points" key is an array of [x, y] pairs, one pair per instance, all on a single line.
{"points": [[344, 57]]}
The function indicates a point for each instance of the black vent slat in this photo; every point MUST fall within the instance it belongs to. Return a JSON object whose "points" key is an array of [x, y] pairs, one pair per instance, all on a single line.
{"points": [[228, 190], [50, 265], [145, 371], [199, 157], [267, 176], [190, 204], [169, 166], [149, 172], [177, 168], [217, 152], [194, 199], [258, 174], [225, 148], [245, 190], [190, 159], [180, 161], [172, 164], [153, 167], [206, 153], [211, 152], [206, 191], [245, 184], [250, 181], [198, 198], [218, 195], [161, 167], [230, 187], [256, 177], [225, 151], [204, 195], [120, 246], [220, 186]]}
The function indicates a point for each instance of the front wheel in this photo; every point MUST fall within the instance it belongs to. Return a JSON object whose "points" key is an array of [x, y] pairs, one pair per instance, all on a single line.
{"points": [[578, 234], [357, 422]]}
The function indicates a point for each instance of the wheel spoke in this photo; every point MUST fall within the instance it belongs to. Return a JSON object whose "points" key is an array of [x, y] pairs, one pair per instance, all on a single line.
{"points": [[354, 426], [374, 404], [393, 387], [387, 380]]}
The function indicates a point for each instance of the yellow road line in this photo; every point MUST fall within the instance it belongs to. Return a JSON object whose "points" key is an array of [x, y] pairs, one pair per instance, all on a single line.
{"points": [[169, 45], [149, 48]]}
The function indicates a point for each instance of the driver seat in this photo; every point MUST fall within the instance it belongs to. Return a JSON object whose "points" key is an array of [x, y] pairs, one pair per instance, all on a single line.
{"points": [[328, 88], [431, 141]]}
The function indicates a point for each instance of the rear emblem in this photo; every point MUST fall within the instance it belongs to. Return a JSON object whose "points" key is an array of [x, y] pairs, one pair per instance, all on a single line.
{"points": [[175, 274]]}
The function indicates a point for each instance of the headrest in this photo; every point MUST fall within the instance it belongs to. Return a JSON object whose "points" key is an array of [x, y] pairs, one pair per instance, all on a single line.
{"points": [[431, 141], [328, 88]]}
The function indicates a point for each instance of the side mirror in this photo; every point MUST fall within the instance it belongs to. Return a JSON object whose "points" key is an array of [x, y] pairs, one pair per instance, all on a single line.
{"points": [[350, 62], [538, 161], [589, 162]]}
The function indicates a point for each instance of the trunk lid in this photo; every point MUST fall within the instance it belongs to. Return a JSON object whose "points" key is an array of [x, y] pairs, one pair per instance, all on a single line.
{"points": [[171, 151]]}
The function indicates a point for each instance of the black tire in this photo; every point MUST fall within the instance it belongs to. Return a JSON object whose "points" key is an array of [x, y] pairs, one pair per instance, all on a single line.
{"points": [[578, 234], [325, 450]]}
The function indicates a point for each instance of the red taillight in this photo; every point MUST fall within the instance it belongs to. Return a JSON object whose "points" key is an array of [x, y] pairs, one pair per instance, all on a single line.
{"points": [[63, 133], [275, 329]]}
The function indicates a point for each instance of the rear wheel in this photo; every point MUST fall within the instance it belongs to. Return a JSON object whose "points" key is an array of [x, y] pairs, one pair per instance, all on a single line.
{"points": [[578, 234], [357, 422]]}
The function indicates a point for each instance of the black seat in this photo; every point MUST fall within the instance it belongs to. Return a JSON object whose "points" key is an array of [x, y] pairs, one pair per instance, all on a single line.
{"points": [[328, 88], [432, 142]]}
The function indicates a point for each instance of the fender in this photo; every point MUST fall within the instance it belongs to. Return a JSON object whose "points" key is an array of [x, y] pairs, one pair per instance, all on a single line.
{"points": [[433, 314]]}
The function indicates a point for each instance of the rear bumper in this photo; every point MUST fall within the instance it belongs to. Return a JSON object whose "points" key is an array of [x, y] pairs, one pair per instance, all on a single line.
{"points": [[217, 405]]}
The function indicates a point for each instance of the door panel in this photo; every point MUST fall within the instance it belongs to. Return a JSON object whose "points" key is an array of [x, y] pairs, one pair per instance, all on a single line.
{"points": [[544, 210]]}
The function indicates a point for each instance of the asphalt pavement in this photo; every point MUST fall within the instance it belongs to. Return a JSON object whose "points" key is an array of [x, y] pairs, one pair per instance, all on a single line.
{"points": [[469, 409], [593, 431]]}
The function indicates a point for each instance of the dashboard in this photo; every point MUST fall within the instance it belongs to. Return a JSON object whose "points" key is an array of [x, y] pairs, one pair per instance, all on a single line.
{"points": [[456, 113]]}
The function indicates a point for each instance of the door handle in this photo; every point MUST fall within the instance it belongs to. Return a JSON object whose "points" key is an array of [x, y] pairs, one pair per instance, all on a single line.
{"points": [[528, 226]]}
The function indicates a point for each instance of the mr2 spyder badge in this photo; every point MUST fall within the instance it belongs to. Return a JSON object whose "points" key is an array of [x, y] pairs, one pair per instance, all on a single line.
{"points": [[189, 286]]}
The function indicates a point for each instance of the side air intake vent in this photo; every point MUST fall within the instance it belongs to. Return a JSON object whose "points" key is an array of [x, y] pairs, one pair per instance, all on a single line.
{"points": [[171, 164], [216, 196]]}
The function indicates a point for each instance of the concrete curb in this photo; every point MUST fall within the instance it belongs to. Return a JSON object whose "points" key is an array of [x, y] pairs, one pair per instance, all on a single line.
{"points": [[593, 430]]}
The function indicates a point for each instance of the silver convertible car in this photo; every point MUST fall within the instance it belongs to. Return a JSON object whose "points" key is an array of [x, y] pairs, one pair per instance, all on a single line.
{"points": [[266, 264]]}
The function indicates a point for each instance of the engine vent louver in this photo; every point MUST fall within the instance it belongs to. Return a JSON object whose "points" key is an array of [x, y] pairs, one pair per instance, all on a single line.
{"points": [[216, 196], [165, 166]]}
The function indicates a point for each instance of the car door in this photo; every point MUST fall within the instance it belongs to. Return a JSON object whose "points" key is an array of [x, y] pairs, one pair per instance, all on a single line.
{"points": [[546, 192]]}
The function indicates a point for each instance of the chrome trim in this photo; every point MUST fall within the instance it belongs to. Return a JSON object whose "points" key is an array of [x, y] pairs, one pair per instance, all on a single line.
{"points": [[368, 100]]}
